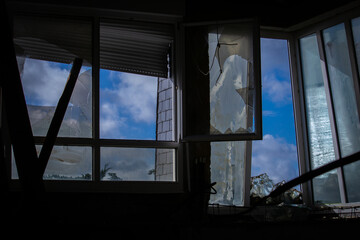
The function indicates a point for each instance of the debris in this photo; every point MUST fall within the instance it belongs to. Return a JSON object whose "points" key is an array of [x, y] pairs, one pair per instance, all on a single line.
{"points": [[262, 186]]}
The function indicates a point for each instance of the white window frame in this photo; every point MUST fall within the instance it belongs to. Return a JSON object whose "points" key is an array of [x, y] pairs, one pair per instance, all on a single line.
{"points": [[96, 185], [315, 26], [247, 137]]}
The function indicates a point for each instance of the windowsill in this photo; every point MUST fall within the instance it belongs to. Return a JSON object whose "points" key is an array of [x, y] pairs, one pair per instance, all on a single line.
{"points": [[135, 187]]}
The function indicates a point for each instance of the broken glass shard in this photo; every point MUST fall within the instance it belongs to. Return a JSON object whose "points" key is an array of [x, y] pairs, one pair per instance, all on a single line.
{"points": [[231, 81]]}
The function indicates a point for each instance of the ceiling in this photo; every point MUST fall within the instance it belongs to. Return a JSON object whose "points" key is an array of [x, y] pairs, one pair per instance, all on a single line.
{"points": [[275, 13]]}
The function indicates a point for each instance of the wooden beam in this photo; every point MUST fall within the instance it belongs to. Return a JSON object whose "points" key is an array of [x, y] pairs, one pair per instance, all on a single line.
{"points": [[59, 115], [14, 104]]}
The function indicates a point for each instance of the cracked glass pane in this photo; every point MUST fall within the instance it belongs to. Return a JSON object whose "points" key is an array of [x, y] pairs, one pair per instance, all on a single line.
{"points": [[228, 171], [45, 49], [65, 163], [231, 80]]}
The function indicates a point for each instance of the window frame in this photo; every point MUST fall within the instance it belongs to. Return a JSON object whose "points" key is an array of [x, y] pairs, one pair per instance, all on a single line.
{"points": [[257, 134], [95, 142], [316, 26], [189, 139]]}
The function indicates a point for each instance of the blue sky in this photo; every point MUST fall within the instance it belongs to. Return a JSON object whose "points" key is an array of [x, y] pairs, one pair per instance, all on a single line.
{"points": [[127, 105], [276, 154]]}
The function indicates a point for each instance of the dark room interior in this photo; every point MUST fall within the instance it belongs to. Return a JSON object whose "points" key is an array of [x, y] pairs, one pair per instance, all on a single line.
{"points": [[69, 164]]}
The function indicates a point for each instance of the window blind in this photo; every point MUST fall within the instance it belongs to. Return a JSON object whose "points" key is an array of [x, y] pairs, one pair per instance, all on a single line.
{"points": [[135, 47], [53, 39], [127, 46]]}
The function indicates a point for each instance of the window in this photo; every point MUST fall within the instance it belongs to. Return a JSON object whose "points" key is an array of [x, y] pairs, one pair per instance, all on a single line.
{"points": [[276, 155], [223, 107], [331, 102], [120, 123]]}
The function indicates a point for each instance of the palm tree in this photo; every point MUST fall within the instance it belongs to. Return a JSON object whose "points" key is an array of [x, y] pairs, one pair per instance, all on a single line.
{"points": [[104, 171]]}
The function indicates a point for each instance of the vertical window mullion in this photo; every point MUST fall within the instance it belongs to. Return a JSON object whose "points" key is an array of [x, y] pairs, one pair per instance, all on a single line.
{"points": [[95, 93], [300, 117], [331, 110]]}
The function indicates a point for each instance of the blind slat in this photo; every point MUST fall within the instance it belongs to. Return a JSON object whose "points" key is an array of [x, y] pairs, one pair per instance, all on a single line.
{"points": [[136, 47], [53, 38]]}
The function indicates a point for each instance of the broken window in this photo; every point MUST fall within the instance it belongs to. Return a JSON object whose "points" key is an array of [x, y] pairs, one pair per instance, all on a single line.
{"points": [[120, 122], [225, 58], [45, 49]]}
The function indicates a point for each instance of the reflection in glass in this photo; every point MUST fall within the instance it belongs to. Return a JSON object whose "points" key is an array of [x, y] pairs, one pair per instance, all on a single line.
{"points": [[355, 24], [137, 164], [342, 89], [320, 140], [352, 181]]}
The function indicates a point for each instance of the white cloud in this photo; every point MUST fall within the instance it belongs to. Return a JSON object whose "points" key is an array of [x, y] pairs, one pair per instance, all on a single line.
{"points": [[138, 94], [275, 157], [110, 121], [129, 163], [278, 91], [268, 113], [130, 98], [274, 55], [43, 82]]}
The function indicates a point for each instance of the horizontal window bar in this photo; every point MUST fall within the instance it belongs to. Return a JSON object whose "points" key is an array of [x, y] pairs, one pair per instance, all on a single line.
{"points": [[137, 143], [110, 142], [222, 137]]}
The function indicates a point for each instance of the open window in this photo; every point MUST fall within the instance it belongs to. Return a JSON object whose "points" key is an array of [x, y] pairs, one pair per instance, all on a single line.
{"points": [[223, 103]]}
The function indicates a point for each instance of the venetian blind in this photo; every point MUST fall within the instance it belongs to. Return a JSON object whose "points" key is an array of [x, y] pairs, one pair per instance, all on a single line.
{"points": [[135, 47], [53, 39]]}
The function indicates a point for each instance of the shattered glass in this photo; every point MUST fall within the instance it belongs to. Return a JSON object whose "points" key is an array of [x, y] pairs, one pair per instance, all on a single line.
{"points": [[231, 81], [43, 83], [45, 48], [231, 89], [227, 170], [65, 163], [262, 186]]}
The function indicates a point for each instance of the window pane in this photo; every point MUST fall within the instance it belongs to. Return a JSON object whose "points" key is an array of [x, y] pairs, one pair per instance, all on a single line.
{"points": [[65, 163], [69, 163], [137, 164], [326, 188], [355, 23], [352, 181], [342, 89], [276, 154], [228, 171], [136, 97], [135, 106], [318, 122], [45, 49], [223, 57], [231, 79]]}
